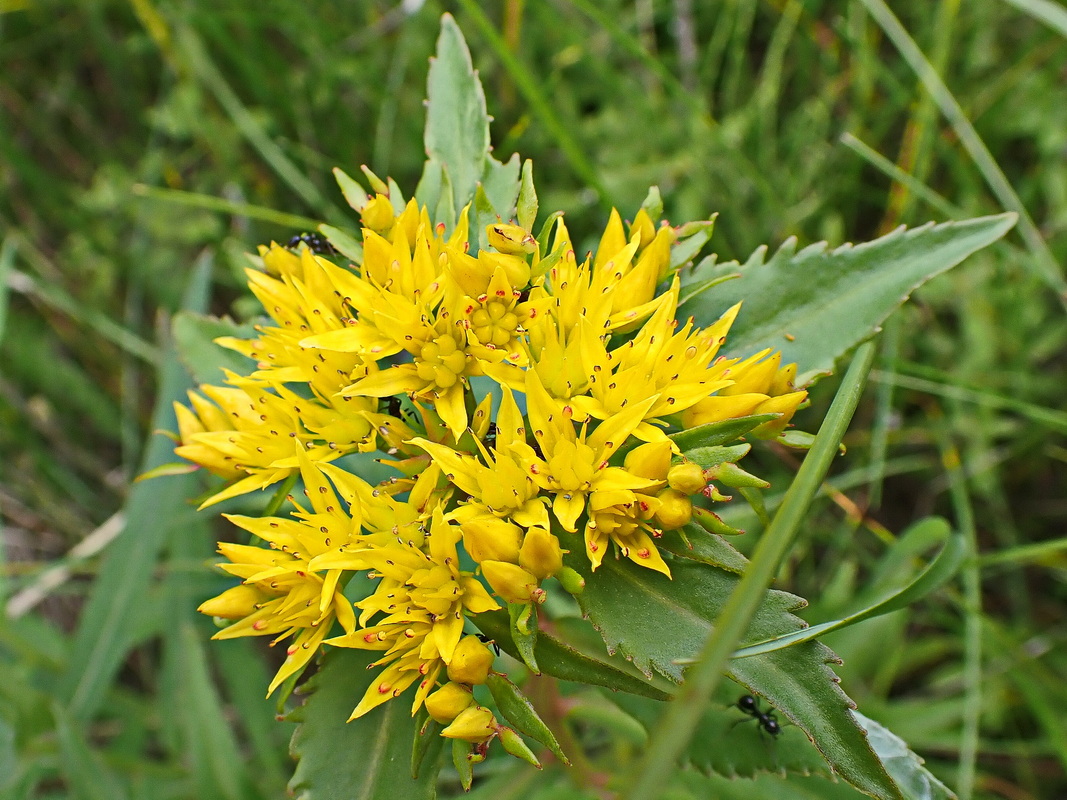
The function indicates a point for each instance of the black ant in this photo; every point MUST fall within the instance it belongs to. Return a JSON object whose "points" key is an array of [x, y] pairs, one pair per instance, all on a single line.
{"points": [[767, 721], [315, 243], [486, 640]]}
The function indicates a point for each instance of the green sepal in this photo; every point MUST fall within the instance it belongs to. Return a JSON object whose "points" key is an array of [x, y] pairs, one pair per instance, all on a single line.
{"points": [[461, 760], [514, 744], [713, 523], [354, 194], [691, 237], [732, 475], [376, 183], [427, 742], [343, 243], [754, 497], [523, 619], [721, 432], [571, 580], [708, 457], [519, 711], [546, 232], [526, 205], [653, 203], [798, 440]]}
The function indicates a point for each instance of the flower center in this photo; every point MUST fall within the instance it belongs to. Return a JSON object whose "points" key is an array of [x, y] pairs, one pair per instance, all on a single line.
{"points": [[495, 323], [441, 361]]}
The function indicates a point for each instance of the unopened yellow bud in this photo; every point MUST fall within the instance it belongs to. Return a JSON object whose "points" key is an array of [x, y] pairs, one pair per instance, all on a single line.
{"points": [[512, 582], [643, 227], [650, 460], [235, 603], [279, 261], [491, 539], [473, 724], [448, 702], [786, 405], [470, 662], [540, 553], [511, 239], [687, 478], [784, 381], [378, 214], [675, 510]]}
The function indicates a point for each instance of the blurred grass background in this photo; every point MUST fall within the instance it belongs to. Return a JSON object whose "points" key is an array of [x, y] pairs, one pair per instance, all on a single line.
{"points": [[140, 138]]}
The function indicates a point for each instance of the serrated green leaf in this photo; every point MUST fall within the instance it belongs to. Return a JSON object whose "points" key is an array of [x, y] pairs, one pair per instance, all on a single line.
{"points": [[733, 745], [501, 183], [915, 781], [194, 336], [816, 304], [698, 544], [564, 660], [797, 682], [428, 190], [457, 123], [366, 759]]}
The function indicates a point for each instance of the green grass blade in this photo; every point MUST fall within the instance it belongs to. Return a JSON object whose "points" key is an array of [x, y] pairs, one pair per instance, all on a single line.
{"points": [[1052, 14], [972, 614], [539, 102], [209, 74], [677, 725], [1048, 266], [154, 510], [212, 203]]}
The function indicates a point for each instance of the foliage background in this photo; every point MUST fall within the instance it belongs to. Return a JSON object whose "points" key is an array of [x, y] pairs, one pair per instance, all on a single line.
{"points": [[117, 118]]}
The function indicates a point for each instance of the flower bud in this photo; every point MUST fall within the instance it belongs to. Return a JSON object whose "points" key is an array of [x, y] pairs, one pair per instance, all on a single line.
{"points": [[511, 239], [651, 460], [235, 603], [540, 553], [515, 745], [572, 581], [730, 474], [472, 724], [378, 214], [448, 702], [488, 538], [687, 478], [511, 582], [643, 227], [470, 661], [675, 511], [786, 405]]}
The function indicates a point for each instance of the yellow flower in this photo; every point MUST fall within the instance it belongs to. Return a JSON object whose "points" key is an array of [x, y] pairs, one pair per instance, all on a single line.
{"points": [[421, 603], [263, 437], [282, 595], [759, 385]]}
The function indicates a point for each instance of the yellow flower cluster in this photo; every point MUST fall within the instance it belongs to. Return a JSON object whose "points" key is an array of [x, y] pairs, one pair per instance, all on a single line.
{"points": [[524, 397]]}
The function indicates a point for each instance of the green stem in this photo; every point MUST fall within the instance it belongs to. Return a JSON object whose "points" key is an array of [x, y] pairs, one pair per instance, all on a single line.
{"points": [[676, 727], [972, 614]]}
